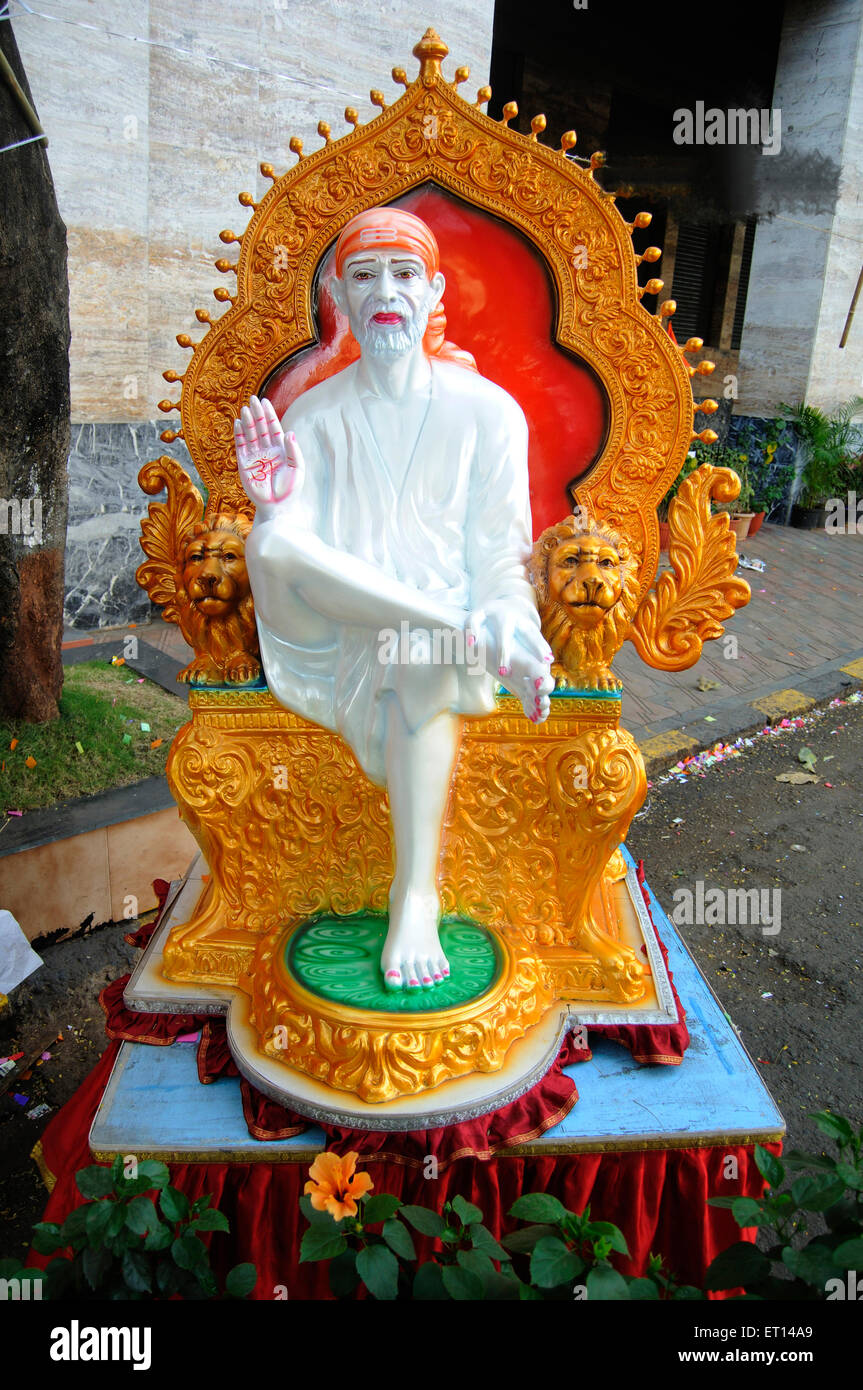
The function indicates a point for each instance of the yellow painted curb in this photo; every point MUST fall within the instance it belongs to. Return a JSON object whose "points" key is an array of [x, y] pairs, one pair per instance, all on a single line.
{"points": [[854, 668], [666, 745], [783, 702]]}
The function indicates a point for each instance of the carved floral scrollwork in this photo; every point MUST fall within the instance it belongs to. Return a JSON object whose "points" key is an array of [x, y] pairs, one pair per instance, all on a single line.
{"points": [[686, 607], [431, 135]]}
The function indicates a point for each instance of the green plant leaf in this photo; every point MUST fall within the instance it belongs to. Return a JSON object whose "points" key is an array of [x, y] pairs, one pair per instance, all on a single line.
{"points": [[174, 1205], [159, 1238], [741, 1264], [726, 1203], [849, 1255], [606, 1284], [615, 1236], [834, 1126], [475, 1262], [851, 1176], [98, 1219], [343, 1274], [796, 1158], [769, 1166], [814, 1264], [747, 1211], [643, 1291], [141, 1215], [315, 1218], [94, 1182], [379, 1270], [428, 1283], [468, 1213], [11, 1269], [74, 1229], [206, 1281], [188, 1250], [523, 1241], [46, 1239], [538, 1206], [155, 1172], [379, 1208], [210, 1220], [427, 1222], [552, 1264], [461, 1285], [95, 1264], [482, 1239], [688, 1293], [136, 1271], [817, 1192], [322, 1243], [241, 1280], [398, 1238]]}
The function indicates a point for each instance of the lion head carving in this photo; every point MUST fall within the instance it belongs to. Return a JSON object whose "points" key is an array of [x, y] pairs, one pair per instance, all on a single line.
{"points": [[587, 593], [217, 610]]}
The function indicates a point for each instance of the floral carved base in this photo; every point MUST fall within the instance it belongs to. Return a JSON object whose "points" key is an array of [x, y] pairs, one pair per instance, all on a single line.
{"points": [[380, 1056], [291, 828]]}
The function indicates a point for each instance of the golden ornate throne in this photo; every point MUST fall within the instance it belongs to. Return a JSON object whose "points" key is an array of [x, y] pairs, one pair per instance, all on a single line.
{"points": [[543, 290]]}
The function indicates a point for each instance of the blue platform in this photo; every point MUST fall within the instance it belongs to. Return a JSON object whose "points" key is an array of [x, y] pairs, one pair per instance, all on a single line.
{"points": [[155, 1106]]}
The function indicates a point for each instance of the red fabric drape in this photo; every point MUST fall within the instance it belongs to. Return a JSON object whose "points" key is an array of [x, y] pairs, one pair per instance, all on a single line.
{"points": [[658, 1198]]}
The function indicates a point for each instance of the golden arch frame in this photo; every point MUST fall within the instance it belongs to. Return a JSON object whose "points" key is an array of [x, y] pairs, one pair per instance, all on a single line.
{"points": [[431, 135]]}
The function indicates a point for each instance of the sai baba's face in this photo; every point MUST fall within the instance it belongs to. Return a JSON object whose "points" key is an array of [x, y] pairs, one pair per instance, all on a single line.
{"points": [[584, 576], [388, 297]]}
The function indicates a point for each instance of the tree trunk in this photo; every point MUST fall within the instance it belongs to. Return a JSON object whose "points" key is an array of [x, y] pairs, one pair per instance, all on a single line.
{"points": [[34, 414]]}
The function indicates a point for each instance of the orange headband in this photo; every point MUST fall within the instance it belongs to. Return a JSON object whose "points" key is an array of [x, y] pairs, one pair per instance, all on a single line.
{"points": [[386, 229]]}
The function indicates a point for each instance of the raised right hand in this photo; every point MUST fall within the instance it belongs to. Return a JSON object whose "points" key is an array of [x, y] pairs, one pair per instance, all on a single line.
{"points": [[271, 466]]}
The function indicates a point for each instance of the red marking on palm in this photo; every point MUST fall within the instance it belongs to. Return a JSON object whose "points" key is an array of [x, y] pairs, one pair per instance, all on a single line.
{"points": [[270, 466]]}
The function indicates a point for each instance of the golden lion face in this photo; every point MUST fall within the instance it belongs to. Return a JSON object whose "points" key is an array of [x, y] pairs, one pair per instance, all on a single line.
{"points": [[584, 576], [586, 584], [214, 571]]}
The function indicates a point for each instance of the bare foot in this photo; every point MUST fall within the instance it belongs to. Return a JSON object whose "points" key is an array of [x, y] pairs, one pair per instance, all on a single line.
{"points": [[412, 957]]}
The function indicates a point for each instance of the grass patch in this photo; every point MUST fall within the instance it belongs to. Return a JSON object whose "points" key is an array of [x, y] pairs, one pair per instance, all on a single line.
{"points": [[101, 705]]}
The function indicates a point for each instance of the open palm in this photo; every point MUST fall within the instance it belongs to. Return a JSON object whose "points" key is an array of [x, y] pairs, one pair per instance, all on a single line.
{"points": [[271, 465]]}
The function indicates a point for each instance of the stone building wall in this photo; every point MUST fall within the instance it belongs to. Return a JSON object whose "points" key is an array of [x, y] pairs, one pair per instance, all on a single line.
{"points": [[808, 248], [158, 112]]}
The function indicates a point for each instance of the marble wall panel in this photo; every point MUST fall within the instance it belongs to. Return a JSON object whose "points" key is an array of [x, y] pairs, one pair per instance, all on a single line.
{"points": [[158, 113]]}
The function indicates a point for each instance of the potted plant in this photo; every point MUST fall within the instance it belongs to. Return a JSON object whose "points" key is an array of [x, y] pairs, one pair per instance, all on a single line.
{"points": [[770, 480], [690, 463], [740, 511], [832, 454]]}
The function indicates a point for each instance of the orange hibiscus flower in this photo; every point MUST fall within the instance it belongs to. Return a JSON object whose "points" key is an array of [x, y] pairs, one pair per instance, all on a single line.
{"points": [[334, 1185]]}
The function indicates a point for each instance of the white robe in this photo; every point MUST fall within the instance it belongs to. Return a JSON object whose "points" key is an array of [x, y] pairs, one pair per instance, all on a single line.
{"points": [[456, 526]]}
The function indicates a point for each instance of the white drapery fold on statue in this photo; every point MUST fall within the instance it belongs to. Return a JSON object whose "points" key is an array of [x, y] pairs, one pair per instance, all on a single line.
{"points": [[455, 525]]}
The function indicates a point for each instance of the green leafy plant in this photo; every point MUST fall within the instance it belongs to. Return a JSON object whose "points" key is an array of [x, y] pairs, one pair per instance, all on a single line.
{"points": [[544, 1260], [770, 479], [793, 1263], [832, 449], [135, 1237]]}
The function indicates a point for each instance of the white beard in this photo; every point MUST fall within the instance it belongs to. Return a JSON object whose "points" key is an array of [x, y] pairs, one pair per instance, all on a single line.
{"points": [[384, 343]]}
